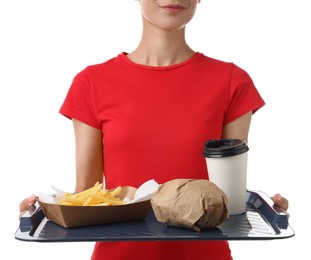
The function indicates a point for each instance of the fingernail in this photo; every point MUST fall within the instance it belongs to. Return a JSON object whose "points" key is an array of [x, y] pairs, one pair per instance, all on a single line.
{"points": [[31, 198]]}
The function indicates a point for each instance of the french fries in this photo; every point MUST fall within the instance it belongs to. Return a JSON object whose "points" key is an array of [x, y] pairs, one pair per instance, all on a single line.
{"points": [[95, 196]]}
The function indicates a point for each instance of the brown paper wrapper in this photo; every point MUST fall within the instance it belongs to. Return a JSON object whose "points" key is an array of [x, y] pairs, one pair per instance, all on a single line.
{"points": [[190, 203]]}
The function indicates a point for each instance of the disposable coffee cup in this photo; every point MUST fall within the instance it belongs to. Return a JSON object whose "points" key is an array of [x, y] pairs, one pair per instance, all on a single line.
{"points": [[226, 161]]}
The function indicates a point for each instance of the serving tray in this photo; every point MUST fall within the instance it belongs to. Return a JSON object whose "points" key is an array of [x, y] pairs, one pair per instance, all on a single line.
{"points": [[262, 221]]}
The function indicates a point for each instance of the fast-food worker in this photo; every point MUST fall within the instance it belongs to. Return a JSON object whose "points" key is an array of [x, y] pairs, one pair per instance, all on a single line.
{"points": [[145, 114]]}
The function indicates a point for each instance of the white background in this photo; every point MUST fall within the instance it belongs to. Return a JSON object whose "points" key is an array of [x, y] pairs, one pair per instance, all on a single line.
{"points": [[45, 43]]}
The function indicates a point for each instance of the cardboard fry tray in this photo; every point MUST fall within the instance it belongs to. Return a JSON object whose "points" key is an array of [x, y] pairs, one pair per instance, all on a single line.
{"points": [[80, 216], [262, 221]]}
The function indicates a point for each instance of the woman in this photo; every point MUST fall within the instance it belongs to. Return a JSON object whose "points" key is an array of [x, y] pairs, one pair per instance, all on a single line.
{"points": [[146, 114]]}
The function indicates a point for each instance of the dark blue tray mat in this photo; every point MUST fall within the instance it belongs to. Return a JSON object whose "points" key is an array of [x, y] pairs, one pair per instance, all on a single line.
{"points": [[262, 221]]}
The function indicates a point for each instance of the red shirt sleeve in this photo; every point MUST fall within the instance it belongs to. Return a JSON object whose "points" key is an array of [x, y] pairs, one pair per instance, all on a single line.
{"points": [[79, 102], [243, 95]]}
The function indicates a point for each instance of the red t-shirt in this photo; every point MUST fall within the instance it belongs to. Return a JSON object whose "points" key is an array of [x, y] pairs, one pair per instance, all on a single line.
{"points": [[155, 121]]}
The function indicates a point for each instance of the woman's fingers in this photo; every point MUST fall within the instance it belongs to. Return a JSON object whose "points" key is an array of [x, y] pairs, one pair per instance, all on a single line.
{"points": [[281, 202], [26, 204]]}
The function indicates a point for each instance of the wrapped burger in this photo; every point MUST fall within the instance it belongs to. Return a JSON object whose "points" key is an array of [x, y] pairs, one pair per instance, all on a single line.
{"points": [[190, 203]]}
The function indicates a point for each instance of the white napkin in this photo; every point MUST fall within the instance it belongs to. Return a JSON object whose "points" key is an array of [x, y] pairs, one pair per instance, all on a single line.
{"points": [[145, 191]]}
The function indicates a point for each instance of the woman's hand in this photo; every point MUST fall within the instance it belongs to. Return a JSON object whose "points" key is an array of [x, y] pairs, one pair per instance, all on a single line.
{"points": [[26, 204], [281, 202]]}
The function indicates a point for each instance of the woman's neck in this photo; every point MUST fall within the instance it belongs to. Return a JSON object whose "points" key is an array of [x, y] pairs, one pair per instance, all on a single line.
{"points": [[161, 48]]}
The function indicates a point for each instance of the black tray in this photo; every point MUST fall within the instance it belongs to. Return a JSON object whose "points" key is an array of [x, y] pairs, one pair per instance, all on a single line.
{"points": [[262, 221]]}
